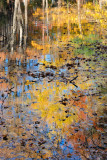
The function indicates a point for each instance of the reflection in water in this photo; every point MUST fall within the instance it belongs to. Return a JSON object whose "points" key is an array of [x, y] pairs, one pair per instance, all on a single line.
{"points": [[53, 97], [15, 29], [19, 25]]}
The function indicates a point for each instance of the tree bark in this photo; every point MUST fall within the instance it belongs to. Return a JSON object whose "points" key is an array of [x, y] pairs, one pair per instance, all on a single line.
{"points": [[79, 16], [26, 22]]}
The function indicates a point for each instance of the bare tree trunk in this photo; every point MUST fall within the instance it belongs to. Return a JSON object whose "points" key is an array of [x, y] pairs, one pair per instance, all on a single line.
{"points": [[43, 37], [14, 25], [94, 2], [68, 19], [79, 16], [52, 1], [47, 16], [59, 3], [26, 22], [58, 26], [18, 24], [100, 4]]}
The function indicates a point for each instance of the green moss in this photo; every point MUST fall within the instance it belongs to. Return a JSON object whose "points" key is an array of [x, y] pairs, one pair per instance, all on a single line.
{"points": [[86, 45]]}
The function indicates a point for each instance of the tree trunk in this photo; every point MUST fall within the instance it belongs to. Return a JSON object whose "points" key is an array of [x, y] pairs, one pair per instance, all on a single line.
{"points": [[26, 22], [100, 4], [47, 16], [79, 16]]}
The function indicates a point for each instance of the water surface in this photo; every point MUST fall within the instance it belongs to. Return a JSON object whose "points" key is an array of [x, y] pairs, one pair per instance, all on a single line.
{"points": [[53, 89]]}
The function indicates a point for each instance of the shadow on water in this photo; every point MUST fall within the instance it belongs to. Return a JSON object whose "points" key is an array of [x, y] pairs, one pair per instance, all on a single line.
{"points": [[52, 81]]}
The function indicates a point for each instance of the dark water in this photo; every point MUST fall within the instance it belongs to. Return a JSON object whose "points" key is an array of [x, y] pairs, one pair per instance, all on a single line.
{"points": [[53, 90]]}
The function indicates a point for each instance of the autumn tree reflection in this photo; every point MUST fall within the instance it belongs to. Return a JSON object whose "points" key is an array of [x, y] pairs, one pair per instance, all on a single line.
{"points": [[19, 28], [53, 97]]}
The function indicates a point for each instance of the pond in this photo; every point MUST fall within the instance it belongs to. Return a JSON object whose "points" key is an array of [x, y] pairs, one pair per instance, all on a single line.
{"points": [[52, 80]]}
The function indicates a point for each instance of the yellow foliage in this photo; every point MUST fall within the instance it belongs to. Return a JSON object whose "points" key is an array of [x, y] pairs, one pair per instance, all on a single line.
{"points": [[89, 5]]}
